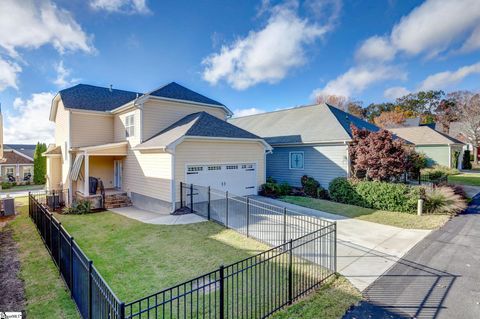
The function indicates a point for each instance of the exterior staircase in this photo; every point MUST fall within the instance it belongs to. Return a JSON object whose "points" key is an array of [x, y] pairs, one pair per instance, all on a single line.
{"points": [[117, 200]]}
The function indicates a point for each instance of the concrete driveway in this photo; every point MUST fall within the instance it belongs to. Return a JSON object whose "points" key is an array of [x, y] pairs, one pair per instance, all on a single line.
{"points": [[365, 250]]}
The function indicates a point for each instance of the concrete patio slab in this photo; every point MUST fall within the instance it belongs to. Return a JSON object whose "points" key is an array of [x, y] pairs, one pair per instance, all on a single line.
{"points": [[365, 250], [158, 218]]}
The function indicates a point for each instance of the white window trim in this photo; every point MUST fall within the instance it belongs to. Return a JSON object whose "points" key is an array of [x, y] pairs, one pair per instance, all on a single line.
{"points": [[290, 160], [131, 125]]}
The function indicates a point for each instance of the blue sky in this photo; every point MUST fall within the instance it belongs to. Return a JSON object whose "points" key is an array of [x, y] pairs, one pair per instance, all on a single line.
{"points": [[253, 56]]}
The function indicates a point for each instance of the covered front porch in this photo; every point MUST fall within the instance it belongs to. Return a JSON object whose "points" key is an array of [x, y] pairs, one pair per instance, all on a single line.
{"points": [[97, 174]]}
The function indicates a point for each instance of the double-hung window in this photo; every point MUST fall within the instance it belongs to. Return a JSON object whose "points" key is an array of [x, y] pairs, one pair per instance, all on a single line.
{"points": [[130, 125], [297, 160]]}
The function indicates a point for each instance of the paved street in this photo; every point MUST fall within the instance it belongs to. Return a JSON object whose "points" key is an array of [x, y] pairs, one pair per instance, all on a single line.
{"points": [[439, 278]]}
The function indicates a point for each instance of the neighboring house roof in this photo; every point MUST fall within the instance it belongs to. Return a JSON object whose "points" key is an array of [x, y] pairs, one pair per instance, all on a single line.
{"points": [[95, 98], [178, 92], [199, 124], [26, 149], [455, 131], [321, 123], [424, 135], [12, 157], [412, 121]]}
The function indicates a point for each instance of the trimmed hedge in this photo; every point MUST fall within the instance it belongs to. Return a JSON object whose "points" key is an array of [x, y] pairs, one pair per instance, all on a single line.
{"points": [[376, 195]]}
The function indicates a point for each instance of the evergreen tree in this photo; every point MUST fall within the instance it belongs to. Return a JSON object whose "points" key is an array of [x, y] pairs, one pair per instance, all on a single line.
{"points": [[39, 164]]}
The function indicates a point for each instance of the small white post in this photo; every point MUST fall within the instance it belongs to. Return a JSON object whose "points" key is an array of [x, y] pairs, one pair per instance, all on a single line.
{"points": [[86, 189], [420, 207]]}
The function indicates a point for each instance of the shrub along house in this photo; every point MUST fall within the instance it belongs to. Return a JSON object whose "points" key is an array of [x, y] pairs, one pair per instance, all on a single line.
{"points": [[439, 148], [308, 140], [141, 146]]}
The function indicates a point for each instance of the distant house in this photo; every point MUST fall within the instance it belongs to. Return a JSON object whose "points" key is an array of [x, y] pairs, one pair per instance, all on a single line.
{"points": [[439, 148], [309, 140]]}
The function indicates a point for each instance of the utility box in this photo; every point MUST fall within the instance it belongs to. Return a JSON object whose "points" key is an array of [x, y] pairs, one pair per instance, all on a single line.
{"points": [[8, 205]]}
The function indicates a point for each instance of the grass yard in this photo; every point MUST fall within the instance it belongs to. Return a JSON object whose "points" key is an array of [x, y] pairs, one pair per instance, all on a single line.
{"points": [[22, 188], [46, 294], [403, 220], [331, 300], [138, 259], [465, 179]]}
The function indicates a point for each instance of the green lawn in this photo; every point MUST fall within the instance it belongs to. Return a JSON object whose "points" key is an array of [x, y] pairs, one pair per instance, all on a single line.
{"points": [[465, 179], [22, 188], [332, 300], [138, 259], [403, 220], [46, 294]]}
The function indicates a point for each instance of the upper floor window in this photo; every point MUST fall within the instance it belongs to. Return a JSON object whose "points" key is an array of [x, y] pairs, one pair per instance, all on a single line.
{"points": [[130, 125], [296, 160]]}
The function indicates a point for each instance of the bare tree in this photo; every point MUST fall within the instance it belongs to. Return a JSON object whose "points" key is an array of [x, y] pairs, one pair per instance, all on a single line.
{"points": [[468, 105], [343, 103], [392, 119]]}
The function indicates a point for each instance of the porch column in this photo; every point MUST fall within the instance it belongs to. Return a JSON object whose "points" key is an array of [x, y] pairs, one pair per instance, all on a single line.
{"points": [[86, 189], [18, 173]]}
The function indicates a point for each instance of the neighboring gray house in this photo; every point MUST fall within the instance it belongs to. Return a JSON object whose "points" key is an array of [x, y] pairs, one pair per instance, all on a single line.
{"points": [[308, 140]]}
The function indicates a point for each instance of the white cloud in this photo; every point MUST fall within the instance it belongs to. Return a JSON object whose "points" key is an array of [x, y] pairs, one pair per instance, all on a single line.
{"points": [[32, 24], [266, 55], [358, 78], [473, 42], [63, 78], [446, 79], [375, 48], [395, 92], [30, 124], [8, 74], [434, 25], [121, 6], [247, 112]]}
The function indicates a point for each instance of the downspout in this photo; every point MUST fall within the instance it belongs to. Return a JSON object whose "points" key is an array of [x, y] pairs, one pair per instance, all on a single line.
{"points": [[348, 160]]}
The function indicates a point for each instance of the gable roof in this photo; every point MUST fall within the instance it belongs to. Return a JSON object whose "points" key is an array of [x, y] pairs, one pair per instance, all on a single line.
{"points": [[424, 135], [321, 123], [199, 124], [176, 91], [25, 149], [95, 98]]}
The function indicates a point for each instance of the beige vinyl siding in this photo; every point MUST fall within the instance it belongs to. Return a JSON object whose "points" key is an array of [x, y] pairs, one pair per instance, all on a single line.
{"points": [[218, 152], [62, 129], [149, 174], [91, 129], [102, 167], [54, 172], [119, 127], [158, 115]]}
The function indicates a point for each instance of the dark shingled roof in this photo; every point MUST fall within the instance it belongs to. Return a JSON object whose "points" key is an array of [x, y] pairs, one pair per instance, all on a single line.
{"points": [[95, 98], [178, 92], [346, 119], [207, 125], [27, 149]]}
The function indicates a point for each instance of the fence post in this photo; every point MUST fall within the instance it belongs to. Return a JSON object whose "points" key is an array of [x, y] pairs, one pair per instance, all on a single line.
{"points": [[248, 217], [290, 273], [208, 205], [335, 246], [284, 225], [181, 194], [71, 267], [122, 310], [50, 229], [222, 291], [90, 289], [59, 244], [226, 214], [191, 198]]}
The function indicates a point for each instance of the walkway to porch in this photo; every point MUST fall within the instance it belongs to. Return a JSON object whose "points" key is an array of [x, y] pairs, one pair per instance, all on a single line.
{"points": [[158, 218]]}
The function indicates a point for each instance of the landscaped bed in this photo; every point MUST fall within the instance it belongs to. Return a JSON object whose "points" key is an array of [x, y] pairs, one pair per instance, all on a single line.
{"points": [[403, 220]]}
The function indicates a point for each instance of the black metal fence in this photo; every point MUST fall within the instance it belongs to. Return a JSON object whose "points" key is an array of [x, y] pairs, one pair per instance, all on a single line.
{"points": [[92, 295], [53, 199], [432, 180], [303, 257]]}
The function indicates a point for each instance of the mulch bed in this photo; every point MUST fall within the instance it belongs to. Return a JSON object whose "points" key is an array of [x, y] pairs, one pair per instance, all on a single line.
{"points": [[12, 293]]}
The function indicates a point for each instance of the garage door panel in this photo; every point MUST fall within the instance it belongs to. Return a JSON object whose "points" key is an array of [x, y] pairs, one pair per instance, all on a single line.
{"points": [[239, 179]]}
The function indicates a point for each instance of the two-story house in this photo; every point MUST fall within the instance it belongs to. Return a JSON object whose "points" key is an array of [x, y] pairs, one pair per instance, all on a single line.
{"points": [[144, 145]]}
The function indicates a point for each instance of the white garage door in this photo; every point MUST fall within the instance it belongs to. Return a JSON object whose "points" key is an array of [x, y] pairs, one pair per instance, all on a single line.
{"points": [[238, 179]]}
